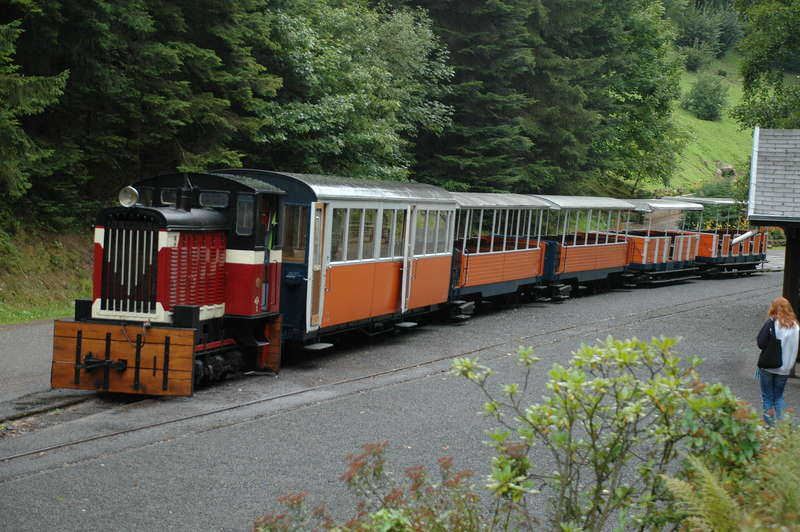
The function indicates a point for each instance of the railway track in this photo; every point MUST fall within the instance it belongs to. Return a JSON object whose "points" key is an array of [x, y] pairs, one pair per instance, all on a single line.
{"points": [[554, 335]]}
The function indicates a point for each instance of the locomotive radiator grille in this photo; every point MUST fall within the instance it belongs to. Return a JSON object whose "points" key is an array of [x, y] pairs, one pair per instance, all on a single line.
{"points": [[197, 270], [130, 252]]}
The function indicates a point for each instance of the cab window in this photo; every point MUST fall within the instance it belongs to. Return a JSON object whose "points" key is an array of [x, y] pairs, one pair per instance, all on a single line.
{"points": [[295, 233], [214, 198], [245, 214]]}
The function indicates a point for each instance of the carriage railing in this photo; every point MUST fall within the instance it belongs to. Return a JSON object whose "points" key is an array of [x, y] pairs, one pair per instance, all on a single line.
{"points": [[719, 244], [498, 244]]}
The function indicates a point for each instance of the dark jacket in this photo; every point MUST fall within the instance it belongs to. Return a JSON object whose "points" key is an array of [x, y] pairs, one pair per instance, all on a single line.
{"points": [[763, 335]]}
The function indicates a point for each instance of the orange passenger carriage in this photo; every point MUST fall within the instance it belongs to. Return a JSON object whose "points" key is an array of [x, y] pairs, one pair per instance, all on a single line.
{"points": [[359, 254], [660, 249], [728, 246], [586, 240], [497, 245]]}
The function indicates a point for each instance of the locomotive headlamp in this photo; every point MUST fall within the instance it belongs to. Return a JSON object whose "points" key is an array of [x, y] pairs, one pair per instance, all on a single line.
{"points": [[128, 196]]}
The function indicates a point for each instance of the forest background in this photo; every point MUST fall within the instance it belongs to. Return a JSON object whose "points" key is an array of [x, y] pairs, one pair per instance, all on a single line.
{"points": [[547, 96]]}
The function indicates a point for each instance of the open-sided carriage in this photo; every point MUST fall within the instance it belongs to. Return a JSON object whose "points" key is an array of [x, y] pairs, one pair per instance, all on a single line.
{"points": [[498, 248], [728, 246], [586, 240], [660, 248]]}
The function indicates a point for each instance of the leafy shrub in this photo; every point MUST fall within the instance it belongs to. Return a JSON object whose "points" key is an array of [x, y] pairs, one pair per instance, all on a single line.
{"points": [[730, 29], [616, 419], [707, 98], [697, 56], [765, 495]]}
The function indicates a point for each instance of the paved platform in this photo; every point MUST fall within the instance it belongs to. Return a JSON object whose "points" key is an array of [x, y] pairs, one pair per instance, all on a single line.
{"points": [[775, 260], [220, 472]]}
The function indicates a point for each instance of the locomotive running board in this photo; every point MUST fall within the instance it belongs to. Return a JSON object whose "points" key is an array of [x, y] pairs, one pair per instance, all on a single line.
{"points": [[317, 347]]}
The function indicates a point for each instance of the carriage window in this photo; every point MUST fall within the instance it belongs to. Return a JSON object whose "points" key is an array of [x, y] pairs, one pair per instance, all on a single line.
{"points": [[295, 233], [487, 227], [431, 231], [169, 196], [354, 235], [442, 238], [338, 243], [399, 233], [245, 214], [474, 231], [370, 219], [214, 198], [419, 234], [387, 230]]}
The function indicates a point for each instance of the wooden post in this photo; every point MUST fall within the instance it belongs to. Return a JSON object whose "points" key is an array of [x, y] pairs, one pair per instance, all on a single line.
{"points": [[791, 270]]}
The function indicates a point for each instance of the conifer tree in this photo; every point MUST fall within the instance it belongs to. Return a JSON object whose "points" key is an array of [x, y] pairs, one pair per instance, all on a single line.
{"points": [[20, 96], [489, 145]]}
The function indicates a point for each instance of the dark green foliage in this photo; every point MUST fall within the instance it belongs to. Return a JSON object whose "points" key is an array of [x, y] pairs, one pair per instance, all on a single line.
{"points": [[566, 96], [555, 95], [489, 145], [636, 140], [707, 98], [699, 27], [21, 96], [705, 30], [186, 85], [771, 48], [697, 56], [358, 86]]}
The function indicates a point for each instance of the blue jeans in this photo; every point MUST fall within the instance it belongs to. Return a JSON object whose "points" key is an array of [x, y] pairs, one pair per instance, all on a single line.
{"points": [[772, 395]]}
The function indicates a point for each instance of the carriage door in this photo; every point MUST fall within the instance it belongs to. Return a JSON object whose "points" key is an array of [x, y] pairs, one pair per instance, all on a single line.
{"points": [[408, 252], [316, 267]]}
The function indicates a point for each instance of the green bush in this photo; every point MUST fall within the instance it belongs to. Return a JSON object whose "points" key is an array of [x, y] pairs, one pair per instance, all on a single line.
{"points": [[707, 98], [615, 420], [697, 56]]}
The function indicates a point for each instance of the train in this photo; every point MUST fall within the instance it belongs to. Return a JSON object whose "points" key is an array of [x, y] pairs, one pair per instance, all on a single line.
{"points": [[200, 275]]}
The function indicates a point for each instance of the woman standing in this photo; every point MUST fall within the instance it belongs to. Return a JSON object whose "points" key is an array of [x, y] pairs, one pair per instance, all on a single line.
{"points": [[774, 380]]}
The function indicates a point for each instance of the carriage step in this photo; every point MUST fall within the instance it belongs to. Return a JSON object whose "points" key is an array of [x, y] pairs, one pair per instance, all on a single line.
{"points": [[462, 317], [317, 347], [670, 280], [405, 324]]}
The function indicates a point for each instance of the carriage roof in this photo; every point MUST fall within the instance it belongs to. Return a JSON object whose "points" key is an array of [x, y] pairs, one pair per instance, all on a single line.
{"points": [[587, 202], [490, 200], [347, 188], [705, 201], [650, 205]]}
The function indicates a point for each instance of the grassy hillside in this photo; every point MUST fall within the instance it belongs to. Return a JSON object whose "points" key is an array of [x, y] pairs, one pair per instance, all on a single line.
{"points": [[40, 276], [713, 141]]}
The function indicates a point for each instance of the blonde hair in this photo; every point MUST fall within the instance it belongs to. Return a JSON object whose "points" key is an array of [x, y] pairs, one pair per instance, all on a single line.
{"points": [[781, 311]]}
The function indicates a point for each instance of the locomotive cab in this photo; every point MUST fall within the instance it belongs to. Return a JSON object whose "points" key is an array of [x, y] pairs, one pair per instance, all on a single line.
{"points": [[184, 288]]}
